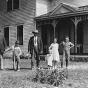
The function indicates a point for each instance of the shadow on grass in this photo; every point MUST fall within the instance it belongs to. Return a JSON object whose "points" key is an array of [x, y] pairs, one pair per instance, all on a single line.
{"points": [[26, 68], [11, 69]]}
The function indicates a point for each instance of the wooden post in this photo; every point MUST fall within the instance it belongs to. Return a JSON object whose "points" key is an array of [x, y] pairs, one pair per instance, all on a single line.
{"points": [[75, 21], [54, 26], [75, 36]]}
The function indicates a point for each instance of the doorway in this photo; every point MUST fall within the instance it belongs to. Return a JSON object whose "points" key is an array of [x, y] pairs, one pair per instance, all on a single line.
{"points": [[80, 38], [47, 35]]}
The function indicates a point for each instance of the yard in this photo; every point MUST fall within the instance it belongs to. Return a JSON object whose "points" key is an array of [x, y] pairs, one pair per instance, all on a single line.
{"points": [[77, 76]]}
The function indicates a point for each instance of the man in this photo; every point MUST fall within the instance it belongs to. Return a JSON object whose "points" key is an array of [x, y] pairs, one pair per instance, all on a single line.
{"points": [[66, 51], [35, 47], [2, 49]]}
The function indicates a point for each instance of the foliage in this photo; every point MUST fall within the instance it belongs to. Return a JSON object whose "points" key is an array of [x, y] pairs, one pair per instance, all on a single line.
{"points": [[52, 77]]}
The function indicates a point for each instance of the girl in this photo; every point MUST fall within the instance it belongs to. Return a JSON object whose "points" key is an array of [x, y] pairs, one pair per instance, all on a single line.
{"points": [[55, 54]]}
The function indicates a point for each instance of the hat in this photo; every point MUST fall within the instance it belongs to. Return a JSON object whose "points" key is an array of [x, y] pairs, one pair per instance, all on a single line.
{"points": [[17, 42], [36, 31]]}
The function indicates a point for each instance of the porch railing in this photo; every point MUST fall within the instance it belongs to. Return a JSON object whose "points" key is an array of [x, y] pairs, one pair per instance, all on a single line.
{"points": [[79, 48]]}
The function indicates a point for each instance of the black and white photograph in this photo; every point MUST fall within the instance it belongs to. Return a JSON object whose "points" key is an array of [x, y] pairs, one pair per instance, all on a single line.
{"points": [[43, 43]]}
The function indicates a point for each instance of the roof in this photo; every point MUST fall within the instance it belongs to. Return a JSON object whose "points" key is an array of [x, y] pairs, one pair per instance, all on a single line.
{"points": [[64, 10]]}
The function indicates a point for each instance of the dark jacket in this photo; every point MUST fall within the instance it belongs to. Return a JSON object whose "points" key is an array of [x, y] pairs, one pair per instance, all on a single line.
{"points": [[31, 45], [2, 44]]}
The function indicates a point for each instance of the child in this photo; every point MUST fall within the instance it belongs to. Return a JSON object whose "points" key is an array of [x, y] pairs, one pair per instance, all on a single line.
{"points": [[16, 55], [49, 59], [66, 51], [55, 53]]}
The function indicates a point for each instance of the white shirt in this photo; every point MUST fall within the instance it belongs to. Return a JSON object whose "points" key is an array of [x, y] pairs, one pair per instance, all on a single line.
{"points": [[16, 49], [35, 39]]}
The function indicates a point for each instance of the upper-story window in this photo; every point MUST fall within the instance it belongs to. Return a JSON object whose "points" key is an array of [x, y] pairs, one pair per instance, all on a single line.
{"points": [[12, 4]]}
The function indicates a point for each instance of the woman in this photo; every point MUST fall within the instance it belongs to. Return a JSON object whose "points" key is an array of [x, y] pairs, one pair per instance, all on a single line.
{"points": [[54, 47]]}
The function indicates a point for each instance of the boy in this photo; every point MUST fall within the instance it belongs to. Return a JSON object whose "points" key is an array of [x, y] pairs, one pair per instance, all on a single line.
{"points": [[16, 55], [66, 51]]}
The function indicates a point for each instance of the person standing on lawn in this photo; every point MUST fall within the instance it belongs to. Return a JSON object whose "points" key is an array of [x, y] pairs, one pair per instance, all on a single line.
{"points": [[35, 47], [66, 51], [55, 53], [49, 59], [16, 55], [2, 49]]}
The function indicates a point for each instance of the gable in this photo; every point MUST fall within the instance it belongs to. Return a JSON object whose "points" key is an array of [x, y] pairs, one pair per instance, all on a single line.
{"points": [[62, 8]]}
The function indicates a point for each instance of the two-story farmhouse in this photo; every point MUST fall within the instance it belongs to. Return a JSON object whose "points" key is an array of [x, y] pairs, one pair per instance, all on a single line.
{"points": [[53, 18]]}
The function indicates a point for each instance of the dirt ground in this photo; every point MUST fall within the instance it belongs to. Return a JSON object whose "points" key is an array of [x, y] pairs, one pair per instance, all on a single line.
{"points": [[77, 76]]}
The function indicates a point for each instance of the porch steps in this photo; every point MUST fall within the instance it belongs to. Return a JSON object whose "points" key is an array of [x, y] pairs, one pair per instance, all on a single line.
{"points": [[79, 58]]}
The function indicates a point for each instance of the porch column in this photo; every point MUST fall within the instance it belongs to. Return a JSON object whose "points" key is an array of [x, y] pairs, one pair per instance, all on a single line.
{"points": [[75, 36], [54, 23], [75, 21]]}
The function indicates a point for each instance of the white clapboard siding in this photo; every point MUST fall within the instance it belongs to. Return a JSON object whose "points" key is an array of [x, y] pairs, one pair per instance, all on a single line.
{"points": [[23, 16]]}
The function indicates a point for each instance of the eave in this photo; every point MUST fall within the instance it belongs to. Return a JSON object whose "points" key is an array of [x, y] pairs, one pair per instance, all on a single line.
{"points": [[62, 15]]}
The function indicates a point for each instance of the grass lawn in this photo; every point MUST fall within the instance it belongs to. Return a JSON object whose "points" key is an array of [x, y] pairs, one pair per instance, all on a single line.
{"points": [[77, 76]]}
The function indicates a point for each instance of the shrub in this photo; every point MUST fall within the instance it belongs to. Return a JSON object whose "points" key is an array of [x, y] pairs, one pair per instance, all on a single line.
{"points": [[52, 77]]}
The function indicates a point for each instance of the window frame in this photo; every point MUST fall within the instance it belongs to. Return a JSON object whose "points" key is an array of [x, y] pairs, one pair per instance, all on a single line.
{"points": [[13, 6], [23, 34], [4, 34]]}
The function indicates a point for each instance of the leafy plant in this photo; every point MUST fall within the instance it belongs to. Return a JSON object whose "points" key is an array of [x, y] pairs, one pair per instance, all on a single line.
{"points": [[52, 77]]}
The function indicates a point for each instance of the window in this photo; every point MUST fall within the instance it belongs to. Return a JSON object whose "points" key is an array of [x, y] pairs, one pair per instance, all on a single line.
{"points": [[15, 4], [20, 34], [6, 35], [12, 4], [9, 5]]}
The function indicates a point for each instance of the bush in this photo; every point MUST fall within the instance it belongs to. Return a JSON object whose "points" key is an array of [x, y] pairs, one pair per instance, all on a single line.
{"points": [[52, 77]]}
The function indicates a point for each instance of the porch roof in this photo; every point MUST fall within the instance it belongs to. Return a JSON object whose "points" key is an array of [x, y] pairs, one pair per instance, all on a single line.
{"points": [[64, 10]]}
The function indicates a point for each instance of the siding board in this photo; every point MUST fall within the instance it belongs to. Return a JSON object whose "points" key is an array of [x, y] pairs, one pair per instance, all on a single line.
{"points": [[24, 14]]}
